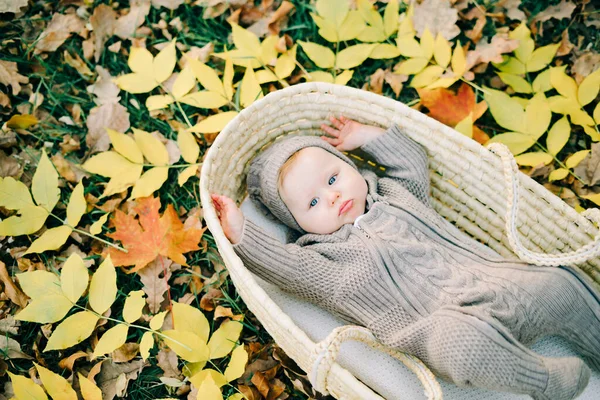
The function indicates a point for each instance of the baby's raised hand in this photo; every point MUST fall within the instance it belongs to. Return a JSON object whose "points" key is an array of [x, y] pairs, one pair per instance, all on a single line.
{"points": [[348, 134], [230, 216]]}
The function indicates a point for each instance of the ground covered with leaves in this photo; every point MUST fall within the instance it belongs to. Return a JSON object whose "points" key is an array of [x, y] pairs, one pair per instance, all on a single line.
{"points": [[111, 285]]}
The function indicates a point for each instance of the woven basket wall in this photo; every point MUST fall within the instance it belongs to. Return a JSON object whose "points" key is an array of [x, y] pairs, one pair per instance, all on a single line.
{"points": [[466, 180]]}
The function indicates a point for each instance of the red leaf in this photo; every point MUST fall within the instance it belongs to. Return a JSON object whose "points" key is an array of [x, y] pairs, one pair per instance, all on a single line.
{"points": [[449, 108]]}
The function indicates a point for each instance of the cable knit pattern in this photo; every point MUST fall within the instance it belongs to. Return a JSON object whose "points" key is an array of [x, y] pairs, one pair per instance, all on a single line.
{"points": [[424, 287]]}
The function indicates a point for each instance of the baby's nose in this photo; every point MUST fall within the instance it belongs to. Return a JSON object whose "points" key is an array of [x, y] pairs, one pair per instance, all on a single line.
{"points": [[333, 196]]}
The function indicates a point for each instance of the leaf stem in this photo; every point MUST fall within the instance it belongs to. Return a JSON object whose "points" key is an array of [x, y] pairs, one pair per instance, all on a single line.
{"points": [[89, 234], [178, 105], [560, 162]]}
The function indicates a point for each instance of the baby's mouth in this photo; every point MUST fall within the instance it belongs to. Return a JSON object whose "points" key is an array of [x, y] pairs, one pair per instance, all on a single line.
{"points": [[346, 206]]}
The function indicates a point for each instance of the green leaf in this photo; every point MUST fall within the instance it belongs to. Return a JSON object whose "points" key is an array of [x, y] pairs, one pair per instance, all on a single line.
{"points": [[44, 184], [14, 195], [74, 329], [112, 339], [103, 288], [77, 206], [74, 277]]}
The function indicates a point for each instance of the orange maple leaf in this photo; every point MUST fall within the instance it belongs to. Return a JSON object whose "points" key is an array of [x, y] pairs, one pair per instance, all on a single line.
{"points": [[151, 236]]}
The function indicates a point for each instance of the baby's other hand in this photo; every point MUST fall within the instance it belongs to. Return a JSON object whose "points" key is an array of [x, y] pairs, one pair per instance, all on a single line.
{"points": [[348, 134], [230, 216]]}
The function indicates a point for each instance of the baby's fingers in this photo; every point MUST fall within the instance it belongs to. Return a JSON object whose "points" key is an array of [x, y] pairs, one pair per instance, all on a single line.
{"points": [[330, 130]]}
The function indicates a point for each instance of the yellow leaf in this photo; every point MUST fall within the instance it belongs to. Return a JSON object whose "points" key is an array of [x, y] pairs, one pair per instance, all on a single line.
{"points": [[588, 89], [390, 17], [558, 174], [37, 284], [534, 159], [127, 177], [576, 158], [333, 10], [442, 52], [31, 220], [319, 76], [217, 377], [352, 26], [132, 310], [214, 123], [47, 309], [159, 101], [205, 99], [466, 126], [209, 390], [89, 390], [511, 65], [459, 62], [103, 287], [151, 147], [156, 322], [371, 34], [558, 136], [595, 198], [506, 111], [563, 83], [411, 66], [136, 83], [322, 56], [344, 77], [427, 44], [268, 52], [184, 83], [77, 205], [597, 114], [235, 396], [580, 117], [96, 227], [228, 79], [190, 319], [537, 116], [369, 14], [186, 174], [112, 339], [515, 141], [526, 46], [74, 329], [74, 277], [26, 389], [126, 146], [44, 184], [187, 345], [409, 47], [51, 239], [190, 151], [353, 56], [246, 41], [240, 57], [191, 369], [427, 76], [223, 339], [541, 83], [250, 88], [237, 364], [265, 75], [541, 57], [517, 83], [149, 182], [56, 386], [21, 121], [140, 61], [14, 195], [146, 344], [164, 63], [206, 76], [441, 83], [286, 63], [108, 163], [384, 51]]}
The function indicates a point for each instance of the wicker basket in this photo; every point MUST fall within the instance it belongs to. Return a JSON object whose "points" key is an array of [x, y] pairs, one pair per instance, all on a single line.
{"points": [[467, 189]]}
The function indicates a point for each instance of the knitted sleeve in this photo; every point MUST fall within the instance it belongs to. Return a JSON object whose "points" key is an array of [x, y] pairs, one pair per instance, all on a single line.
{"points": [[404, 160]]}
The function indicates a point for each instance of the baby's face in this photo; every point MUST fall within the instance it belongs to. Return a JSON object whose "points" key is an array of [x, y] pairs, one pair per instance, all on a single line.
{"points": [[316, 186]]}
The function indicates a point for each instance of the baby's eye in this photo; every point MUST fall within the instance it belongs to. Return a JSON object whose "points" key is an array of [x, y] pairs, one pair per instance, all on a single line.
{"points": [[313, 202], [334, 176]]}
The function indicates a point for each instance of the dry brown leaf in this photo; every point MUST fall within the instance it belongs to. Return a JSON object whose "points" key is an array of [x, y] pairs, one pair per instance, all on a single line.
{"points": [[170, 4], [197, 53], [8, 139], [115, 47], [4, 100], [512, 9], [585, 64], [438, 16], [207, 302], [9, 166], [110, 115], [167, 361], [64, 167], [125, 353], [12, 291], [88, 48], [9, 75], [11, 349], [276, 390], [562, 10], [250, 392], [113, 378], [261, 383], [104, 88], [74, 249], [221, 312], [69, 144], [13, 6], [9, 325], [155, 283], [565, 44], [476, 33], [58, 30], [487, 52], [103, 21], [375, 83], [69, 362], [127, 24], [589, 168], [77, 63]]}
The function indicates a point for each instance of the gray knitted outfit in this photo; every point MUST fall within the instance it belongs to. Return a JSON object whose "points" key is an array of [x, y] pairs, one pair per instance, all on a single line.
{"points": [[423, 286]]}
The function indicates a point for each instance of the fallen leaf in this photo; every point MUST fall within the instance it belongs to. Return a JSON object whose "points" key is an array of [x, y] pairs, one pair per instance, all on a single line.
{"points": [[438, 16], [9, 325], [69, 362], [77, 63], [562, 10], [258, 379], [9, 166], [151, 236], [512, 9], [167, 361], [103, 21], [107, 116], [170, 4], [486, 52], [12, 291], [450, 108], [589, 169], [113, 378], [207, 302], [155, 283], [13, 6], [125, 353], [9, 75], [58, 30], [585, 64], [126, 25]]}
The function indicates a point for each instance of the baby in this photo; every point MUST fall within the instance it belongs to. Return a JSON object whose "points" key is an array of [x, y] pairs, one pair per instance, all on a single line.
{"points": [[375, 253]]}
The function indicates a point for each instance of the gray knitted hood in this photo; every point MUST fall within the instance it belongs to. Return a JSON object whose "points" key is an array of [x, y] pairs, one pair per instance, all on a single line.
{"points": [[264, 173]]}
